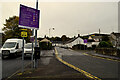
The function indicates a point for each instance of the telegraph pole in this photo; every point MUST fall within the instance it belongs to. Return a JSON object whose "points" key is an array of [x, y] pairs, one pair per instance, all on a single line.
{"points": [[99, 34]]}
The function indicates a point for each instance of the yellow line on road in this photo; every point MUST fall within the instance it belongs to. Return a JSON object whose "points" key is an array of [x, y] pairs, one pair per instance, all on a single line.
{"points": [[102, 57], [76, 68]]}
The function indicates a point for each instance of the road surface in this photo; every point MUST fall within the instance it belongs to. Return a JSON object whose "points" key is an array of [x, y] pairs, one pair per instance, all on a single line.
{"points": [[11, 65], [98, 67]]}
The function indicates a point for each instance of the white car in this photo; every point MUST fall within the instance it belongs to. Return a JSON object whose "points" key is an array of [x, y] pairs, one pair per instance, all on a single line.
{"points": [[28, 49]]}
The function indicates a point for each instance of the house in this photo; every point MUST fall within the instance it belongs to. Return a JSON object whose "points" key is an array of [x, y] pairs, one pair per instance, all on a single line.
{"points": [[74, 41], [89, 42], [115, 39], [94, 39], [57, 43], [98, 37]]}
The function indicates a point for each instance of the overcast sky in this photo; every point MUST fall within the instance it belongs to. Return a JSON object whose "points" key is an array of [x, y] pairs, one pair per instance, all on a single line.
{"points": [[69, 18]]}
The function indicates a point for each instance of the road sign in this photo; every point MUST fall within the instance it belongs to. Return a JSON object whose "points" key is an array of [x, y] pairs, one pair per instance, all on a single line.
{"points": [[23, 29], [23, 34], [85, 41], [29, 17], [31, 38]]}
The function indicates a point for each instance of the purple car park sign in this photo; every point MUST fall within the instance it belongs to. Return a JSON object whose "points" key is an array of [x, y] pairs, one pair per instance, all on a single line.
{"points": [[29, 17]]}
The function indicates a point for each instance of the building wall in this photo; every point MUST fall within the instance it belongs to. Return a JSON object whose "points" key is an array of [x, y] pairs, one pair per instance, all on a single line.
{"points": [[115, 40], [77, 41]]}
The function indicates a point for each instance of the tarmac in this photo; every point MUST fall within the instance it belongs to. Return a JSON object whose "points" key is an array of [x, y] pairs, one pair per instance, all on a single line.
{"points": [[49, 67]]}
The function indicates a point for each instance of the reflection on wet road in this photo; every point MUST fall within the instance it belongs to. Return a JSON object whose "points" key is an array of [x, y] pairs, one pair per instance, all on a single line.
{"points": [[45, 60], [46, 56]]}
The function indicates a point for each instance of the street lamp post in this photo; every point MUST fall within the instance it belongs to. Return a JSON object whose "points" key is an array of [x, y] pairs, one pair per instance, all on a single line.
{"points": [[49, 31]]}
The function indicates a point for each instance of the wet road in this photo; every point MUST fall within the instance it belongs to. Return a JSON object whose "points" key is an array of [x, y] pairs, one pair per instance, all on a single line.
{"points": [[98, 67], [11, 65], [50, 68]]}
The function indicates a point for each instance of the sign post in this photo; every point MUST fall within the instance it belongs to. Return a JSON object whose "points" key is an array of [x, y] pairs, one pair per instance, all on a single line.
{"points": [[36, 61], [85, 42], [28, 18], [23, 34], [32, 40]]}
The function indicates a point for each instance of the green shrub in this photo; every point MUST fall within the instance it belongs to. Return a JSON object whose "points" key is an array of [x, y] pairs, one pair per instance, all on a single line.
{"points": [[45, 45], [105, 44]]}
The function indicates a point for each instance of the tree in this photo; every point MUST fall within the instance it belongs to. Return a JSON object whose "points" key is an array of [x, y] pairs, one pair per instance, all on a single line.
{"points": [[105, 38], [64, 38], [11, 29]]}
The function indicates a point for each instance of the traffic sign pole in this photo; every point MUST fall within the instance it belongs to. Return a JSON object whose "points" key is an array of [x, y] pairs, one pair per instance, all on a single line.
{"points": [[32, 49], [23, 57], [36, 37], [23, 34]]}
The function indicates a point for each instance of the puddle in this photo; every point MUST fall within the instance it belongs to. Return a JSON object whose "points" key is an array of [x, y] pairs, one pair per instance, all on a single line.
{"points": [[45, 60], [47, 53]]}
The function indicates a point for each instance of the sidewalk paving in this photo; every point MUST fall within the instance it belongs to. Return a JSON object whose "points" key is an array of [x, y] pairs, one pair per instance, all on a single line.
{"points": [[48, 68], [101, 55], [93, 53]]}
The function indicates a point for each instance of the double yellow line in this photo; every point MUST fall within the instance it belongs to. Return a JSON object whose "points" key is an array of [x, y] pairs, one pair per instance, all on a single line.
{"points": [[76, 68]]}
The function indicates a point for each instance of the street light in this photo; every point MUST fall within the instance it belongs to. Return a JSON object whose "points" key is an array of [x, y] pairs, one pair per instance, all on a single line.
{"points": [[49, 31]]}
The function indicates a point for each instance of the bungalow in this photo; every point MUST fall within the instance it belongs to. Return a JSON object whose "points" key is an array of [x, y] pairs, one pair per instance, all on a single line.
{"points": [[74, 41], [57, 43], [92, 42]]}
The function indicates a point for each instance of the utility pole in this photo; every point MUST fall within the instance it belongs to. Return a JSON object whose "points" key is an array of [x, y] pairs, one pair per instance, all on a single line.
{"points": [[99, 34], [49, 31]]}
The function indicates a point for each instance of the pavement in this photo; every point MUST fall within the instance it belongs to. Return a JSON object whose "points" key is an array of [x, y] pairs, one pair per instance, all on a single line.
{"points": [[49, 67], [93, 53]]}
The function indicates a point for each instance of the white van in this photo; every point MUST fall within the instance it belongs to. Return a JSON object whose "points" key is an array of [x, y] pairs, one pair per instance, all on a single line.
{"points": [[28, 49], [12, 47]]}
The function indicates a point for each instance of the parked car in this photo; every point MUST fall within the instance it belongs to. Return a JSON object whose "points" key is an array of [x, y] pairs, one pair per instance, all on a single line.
{"points": [[12, 47], [28, 49]]}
